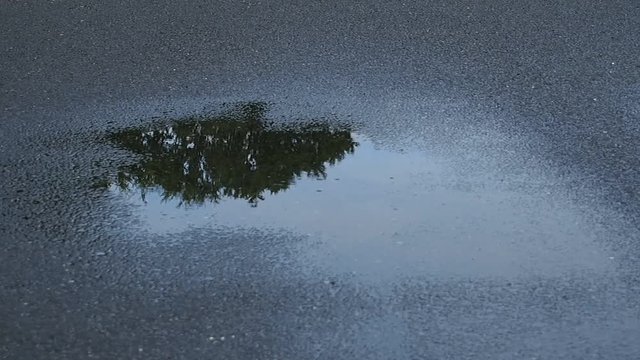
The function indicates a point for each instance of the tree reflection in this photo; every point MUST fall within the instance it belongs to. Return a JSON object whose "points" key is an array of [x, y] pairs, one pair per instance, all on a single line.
{"points": [[237, 154]]}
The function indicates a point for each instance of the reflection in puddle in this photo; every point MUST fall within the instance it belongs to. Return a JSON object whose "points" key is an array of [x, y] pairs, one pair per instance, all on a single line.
{"points": [[236, 155], [370, 211]]}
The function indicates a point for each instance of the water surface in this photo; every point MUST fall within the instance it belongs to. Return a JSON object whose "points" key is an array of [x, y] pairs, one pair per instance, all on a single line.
{"points": [[365, 209]]}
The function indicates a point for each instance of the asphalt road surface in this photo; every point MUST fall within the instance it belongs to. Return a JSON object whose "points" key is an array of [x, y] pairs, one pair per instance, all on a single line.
{"points": [[521, 241]]}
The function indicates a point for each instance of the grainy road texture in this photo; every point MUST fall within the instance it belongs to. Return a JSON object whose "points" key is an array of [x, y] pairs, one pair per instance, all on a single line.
{"points": [[540, 99]]}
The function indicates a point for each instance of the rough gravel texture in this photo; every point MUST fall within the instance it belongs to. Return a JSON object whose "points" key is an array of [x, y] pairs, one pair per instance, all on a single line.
{"points": [[528, 95]]}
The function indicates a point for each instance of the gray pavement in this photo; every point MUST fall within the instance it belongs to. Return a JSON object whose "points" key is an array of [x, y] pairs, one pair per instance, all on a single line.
{"points": [[530, 111]]}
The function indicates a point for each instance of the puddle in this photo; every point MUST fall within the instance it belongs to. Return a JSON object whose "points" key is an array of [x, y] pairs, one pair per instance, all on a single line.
{"points": [[364, 209]]}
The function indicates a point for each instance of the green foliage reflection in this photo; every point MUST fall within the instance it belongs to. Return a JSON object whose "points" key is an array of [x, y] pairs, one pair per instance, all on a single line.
{"points": [[236, 154]]}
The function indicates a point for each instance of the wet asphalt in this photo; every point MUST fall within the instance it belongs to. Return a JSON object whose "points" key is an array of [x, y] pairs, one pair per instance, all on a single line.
{"points": [[535, 98]]}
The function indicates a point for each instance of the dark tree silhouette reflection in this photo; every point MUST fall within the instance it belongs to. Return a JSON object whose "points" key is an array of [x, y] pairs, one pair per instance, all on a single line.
{"points": [[237, 154]]}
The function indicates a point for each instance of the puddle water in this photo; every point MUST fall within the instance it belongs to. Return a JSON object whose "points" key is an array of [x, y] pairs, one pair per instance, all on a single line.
{"points": [[366, 210]]}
